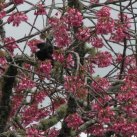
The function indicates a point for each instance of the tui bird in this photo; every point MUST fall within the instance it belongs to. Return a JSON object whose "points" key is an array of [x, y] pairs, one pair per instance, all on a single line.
{"points": [[45, 50]]}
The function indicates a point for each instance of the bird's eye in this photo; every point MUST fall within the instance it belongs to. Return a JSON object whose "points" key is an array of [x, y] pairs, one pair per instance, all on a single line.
{"points": [[41, 45]]}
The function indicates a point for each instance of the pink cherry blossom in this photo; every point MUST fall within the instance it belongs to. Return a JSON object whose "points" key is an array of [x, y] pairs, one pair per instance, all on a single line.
{"points": [[25, 84], [103, 12], [32, 132], [3, 61], [33, 113], [97, 42], [53, 132], [74, 17], [97, 130], [69, 61], [45, 68], [40, 96], [105, 24], [18, 1], [17, 18], [75, 85], [40, 10], [10, 44], [106, 115], [2, 14], [103, 59], [59, 57], [83, 34], [120, 33], [74, 121], [15, 103], [94, 1], [101, 85], [62, 39], [69, 83], [33, 45], [58, 101]]}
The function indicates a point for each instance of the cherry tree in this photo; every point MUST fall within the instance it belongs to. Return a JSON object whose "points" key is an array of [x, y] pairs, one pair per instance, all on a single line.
{"points": [[75, 64]]}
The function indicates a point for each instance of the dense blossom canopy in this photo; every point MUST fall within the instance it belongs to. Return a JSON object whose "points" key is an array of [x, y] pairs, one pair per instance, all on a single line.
{"points": [[87, 85]]}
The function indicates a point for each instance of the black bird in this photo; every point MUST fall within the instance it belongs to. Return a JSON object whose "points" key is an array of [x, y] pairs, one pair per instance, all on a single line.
{"points": [[45, 50]]}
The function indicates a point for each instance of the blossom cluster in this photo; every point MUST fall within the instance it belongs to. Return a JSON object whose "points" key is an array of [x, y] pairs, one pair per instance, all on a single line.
{"points": [[74, 121], [74, 17], [10, 44], [25, 84], [103, 59], [33, 113], [40, 10], [18, 1], [45, 68], [61, 39], [33, 45], [105, 24], [17, 18], [101, 84]]}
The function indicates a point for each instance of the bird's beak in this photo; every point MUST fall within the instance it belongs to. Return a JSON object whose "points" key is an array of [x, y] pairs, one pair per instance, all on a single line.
{"points": [[37, 50]]}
